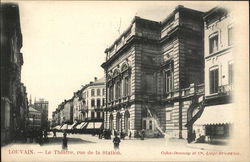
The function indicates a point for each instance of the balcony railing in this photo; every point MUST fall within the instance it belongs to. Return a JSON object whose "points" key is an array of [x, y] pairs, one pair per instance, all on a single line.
{"points": [[225, 89], [185, 92]]}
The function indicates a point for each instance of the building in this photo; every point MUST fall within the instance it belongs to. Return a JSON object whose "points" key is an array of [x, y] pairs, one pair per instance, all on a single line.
{"points": [[154, 74], [42, 106], [14, 102], [216, 120], [86, 105], [78, 103], [34, 117], [67, 117], [93, 97]]}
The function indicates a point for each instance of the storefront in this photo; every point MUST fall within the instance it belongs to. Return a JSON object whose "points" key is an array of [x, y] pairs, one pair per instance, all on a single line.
{"points": [[215, 123]]}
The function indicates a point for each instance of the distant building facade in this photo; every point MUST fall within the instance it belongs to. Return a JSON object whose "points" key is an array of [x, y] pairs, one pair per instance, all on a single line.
{"points": [[93, 95], [85, 105], [34, 117], [154, 74], [42, 106], [14, 102], [216, 120]]}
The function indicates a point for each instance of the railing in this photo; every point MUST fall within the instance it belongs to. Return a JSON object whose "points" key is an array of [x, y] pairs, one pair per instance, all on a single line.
{"points": [[185, 92], [225, 88]]}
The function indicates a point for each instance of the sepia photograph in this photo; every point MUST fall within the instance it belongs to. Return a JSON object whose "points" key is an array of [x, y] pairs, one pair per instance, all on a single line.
{"points": [[124, 80]]}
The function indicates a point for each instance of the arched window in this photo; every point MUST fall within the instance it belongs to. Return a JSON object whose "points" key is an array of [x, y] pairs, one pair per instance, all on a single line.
{"points": [[118, 90], [111, 122], [126, 121], [118, 122], [126, 85]]}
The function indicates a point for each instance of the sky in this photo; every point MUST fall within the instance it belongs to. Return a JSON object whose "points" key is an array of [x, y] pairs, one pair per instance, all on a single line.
{"points": [[64, 41]]}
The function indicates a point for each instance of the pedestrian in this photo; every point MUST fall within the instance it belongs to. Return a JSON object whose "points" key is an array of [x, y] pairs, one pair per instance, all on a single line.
{"points": [[40, 138], [45, 135], [142, 134], [65, 141], [194, 135], [116, 142], [54, 133], [130, 134]]}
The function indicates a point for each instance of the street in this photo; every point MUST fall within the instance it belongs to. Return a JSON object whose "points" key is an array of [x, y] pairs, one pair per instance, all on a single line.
{"points": [[88, 147]]}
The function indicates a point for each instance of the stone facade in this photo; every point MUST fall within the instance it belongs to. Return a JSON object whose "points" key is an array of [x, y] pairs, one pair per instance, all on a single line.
{"points": [[162, 63], [14, 102]]}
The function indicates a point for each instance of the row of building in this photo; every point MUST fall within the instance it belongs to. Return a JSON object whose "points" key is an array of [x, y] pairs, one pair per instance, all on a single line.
{"points": [[86, 104], [166, 78], [17, 115]]}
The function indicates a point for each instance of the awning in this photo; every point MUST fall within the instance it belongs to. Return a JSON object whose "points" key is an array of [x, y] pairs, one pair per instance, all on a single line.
{"points": [[57, 127], [79, 126], [65, 126], [94, 125], [217, 114], [71, 126]]}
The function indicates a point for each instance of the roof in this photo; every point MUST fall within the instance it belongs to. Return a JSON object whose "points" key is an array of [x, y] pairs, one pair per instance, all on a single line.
{"points": [[101, 80], [33, 109]]}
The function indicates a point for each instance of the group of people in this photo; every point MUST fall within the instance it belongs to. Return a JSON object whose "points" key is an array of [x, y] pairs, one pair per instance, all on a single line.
{"points": [[31, 135], [38, 135]]}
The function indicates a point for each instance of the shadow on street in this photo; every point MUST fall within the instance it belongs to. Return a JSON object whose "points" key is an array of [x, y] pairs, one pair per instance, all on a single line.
{"points": [[58, 141]]}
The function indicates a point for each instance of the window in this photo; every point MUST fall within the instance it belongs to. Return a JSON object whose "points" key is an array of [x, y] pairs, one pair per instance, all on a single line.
{"points": [[213, 43], [213, 80], [92, 103], [98, 92], [168, 115], [111, 93], [118, 90], [230, 73], [92, 114], [103, 91], [92, 92], [149, 83], [150, 124], [103, 101], [168, 81], [98, 115], [126, 86], [230, 35], [98, 103]]}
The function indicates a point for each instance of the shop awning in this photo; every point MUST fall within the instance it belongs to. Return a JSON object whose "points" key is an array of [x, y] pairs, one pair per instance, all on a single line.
{"points": [[217, 114], [72, 126], [94, 125], [79, 126], [65, 126]]}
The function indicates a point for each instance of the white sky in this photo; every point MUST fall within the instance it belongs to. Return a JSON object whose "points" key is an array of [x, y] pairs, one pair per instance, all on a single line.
{"points": [[64, 42]]}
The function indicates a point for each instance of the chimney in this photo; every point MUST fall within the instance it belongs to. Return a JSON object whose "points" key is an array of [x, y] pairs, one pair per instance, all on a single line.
{"points": [[95, 79]]}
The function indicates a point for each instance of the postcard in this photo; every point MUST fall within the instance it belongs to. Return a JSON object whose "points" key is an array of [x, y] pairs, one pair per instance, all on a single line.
{"points": [[124, 80]]}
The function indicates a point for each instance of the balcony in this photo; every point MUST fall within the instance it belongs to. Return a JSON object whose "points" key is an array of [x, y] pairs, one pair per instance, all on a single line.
{"points": [[185, 92], [225, 89]]}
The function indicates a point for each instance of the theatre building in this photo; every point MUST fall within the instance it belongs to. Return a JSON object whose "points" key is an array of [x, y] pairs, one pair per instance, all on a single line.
{"points": [[154, 71], [216, 120]]}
